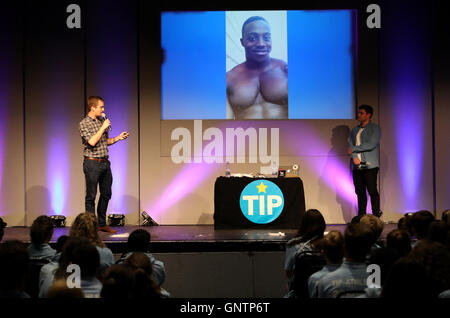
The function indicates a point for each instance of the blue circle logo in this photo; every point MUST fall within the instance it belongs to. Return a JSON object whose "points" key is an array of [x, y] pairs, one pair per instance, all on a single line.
{"points": [[261, 201]]}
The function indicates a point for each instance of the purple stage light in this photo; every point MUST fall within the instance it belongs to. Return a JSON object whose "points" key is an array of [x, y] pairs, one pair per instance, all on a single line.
{"points": [[58, 171], [190, 177]]}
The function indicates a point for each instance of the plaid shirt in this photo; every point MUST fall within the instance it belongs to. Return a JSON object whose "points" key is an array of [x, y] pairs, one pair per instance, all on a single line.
{"points": [[89, 127]]}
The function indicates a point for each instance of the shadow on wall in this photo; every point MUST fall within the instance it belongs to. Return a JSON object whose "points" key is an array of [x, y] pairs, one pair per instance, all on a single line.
{"points": [[37, 203], [206, 219], [200, 204], [337, 165], [129, 205], [384, 172]]}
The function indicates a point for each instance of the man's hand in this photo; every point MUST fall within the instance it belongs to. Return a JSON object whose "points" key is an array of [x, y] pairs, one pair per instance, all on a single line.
{"points": [[356, 161], [349, 150], [106, 124], [123, 136]]}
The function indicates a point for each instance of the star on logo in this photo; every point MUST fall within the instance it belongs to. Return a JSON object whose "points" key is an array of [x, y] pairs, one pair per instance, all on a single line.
{"points": [[261, 187]]}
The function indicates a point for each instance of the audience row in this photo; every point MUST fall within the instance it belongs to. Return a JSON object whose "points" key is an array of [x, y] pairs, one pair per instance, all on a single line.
{"points": [[41, 271], [413, 260]]}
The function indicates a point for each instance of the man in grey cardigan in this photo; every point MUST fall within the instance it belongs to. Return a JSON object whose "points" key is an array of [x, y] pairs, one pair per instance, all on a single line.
{"points": [[363, 144]]}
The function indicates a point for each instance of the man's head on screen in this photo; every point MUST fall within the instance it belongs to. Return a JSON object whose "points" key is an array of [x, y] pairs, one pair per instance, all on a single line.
{"points": [[256, 39]]}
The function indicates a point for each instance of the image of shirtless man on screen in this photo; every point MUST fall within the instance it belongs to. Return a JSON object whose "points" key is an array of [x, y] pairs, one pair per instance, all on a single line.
{"points": [[258, 87]]}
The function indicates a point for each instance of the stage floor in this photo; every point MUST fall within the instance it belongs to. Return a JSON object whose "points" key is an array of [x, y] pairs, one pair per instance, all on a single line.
{"points": [[191, 238]]}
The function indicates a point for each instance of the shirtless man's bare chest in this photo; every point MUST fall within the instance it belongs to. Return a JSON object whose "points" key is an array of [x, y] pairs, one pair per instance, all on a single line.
{"points": [[258, 94]]}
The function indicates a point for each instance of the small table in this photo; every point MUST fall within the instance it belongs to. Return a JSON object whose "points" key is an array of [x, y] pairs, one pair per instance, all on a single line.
{"points": [[227, 210]]}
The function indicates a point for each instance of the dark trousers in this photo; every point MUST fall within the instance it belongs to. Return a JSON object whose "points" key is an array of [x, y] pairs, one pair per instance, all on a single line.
{"points": [[97, 174], [366, 179]]}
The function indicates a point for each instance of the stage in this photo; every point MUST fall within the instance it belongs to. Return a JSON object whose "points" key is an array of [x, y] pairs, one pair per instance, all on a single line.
{"points": [[191, 238]]}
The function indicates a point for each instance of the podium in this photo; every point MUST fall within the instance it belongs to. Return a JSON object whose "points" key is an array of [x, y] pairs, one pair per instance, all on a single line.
{"points": [[229, 215]]}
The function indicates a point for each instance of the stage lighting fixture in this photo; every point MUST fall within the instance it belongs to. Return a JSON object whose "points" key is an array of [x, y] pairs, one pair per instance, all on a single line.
{"points": [[58, 220], [148, 221], [116, 220]]}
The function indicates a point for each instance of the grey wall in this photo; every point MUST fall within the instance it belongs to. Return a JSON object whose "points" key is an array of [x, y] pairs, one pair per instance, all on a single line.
{"points": [[225, 275]]}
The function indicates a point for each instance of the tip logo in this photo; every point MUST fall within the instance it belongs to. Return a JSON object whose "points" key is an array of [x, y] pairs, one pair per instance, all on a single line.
{"points": [[261, 201]]}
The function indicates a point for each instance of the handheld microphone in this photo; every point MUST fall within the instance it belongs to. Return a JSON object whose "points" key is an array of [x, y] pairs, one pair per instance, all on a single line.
{"points": [[104, 117]]}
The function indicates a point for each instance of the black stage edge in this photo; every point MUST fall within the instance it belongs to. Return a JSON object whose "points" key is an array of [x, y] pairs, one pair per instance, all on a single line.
{"points": [[191, 238]]}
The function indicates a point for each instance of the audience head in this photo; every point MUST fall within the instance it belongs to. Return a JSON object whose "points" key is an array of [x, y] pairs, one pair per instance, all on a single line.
{"points": [[60, 290], [85, 225], [374, 223], [446, 217], [358, 240], [144, 286], [13, 266], [87, 257], [60, 243], [436, 259], [312, 225], [406, 279], [2, 227], [385, 257], [118, 282], [420, 223], [41, 230], [405, 223], [400, 241], [438, 232], [332, 247], [138, 241], [67, 254]]}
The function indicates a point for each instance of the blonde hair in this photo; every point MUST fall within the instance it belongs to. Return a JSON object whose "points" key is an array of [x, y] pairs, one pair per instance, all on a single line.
{"points": [[375, 224], [85, 225]]}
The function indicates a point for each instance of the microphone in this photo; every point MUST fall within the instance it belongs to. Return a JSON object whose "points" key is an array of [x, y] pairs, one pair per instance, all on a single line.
{"points": [[104, 117]]}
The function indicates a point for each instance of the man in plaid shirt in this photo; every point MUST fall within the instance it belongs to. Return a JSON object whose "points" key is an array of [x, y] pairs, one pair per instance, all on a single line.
{"points": [[96, 166]]}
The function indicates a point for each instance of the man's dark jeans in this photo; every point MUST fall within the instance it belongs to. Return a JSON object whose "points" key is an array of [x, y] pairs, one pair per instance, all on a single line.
{"points": [[366, 179], [97, 173]]}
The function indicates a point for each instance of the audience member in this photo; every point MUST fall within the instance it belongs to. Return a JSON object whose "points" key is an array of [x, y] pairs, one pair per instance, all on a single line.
{"points": [[438, 232], [332, 248], [86, 256], [144, 286], [405, 223], [2, 227], [311, 231], [385, 258], [14, 261], [55, 271], [400, 241], [139, 241], [85, 225], [59, 246], [420, 223], [377, 226], [446, 217], [41, 232], [118, 282], [352, 275], [435, 257], [407, 279]]}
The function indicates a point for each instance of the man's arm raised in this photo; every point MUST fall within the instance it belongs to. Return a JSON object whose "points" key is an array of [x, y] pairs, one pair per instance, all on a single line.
{"points": [[96, 137], [124, 135]]}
